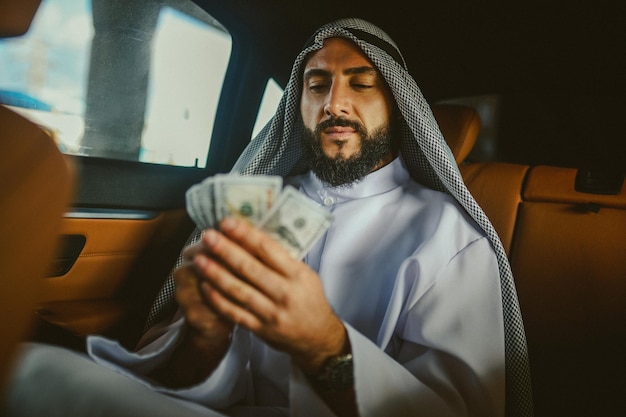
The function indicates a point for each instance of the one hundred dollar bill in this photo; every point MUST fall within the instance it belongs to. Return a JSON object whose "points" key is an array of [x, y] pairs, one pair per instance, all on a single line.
{"points": [[200, 204], [224, 195], [247, 197], [296, 222], [288, 216]]}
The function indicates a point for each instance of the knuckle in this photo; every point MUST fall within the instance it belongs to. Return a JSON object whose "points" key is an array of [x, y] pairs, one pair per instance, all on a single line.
{"points": [[267, 244], [274, 319], [281, 298], [240, 293], [248, 267], [237, 317]]}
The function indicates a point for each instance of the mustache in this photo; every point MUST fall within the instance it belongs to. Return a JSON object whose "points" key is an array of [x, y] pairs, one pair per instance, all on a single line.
{"points": [[340, 121]]}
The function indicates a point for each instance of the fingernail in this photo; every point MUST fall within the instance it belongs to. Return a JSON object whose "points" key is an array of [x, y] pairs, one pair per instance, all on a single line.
{"points": [[210, 237], [200, 261], [228, 223]]}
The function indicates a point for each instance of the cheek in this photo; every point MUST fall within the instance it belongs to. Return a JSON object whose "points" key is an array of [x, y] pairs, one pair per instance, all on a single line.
{"points": [[311, 111], [379, 116], [308, 112]]}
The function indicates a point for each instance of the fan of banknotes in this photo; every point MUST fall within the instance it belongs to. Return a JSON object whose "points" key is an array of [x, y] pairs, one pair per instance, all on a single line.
{"points": [[288, 216]]}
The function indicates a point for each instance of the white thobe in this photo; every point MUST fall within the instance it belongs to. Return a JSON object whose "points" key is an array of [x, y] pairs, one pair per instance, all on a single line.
{"points": [[416, 283]]}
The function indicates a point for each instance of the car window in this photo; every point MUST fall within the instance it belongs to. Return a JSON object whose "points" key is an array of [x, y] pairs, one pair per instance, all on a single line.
{"points": [[135, 81], [269, 104]]}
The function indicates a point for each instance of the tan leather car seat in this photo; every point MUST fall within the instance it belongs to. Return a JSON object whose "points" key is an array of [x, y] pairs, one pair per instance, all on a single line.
{"points": [[569, 263], [36, 182], [496, 187], [460, 126]]}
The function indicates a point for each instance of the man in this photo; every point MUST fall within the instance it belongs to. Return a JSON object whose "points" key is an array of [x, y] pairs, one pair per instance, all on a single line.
{"points": [[398, 310]]}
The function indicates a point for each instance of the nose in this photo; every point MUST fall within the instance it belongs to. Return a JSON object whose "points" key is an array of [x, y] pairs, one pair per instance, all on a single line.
{"points": [[337, 102]]}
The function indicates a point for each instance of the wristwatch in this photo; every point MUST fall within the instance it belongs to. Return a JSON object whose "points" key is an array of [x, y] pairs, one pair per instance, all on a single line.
{"points": [[337, 375]]}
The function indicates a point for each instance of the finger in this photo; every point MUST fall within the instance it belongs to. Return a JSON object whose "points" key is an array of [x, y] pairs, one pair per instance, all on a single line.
{"points": [[244, 265], [188, 296], [191, 297], [236, 299], [233, 312], [192, 250], [186, 283], [189, 290], [259, 243]]}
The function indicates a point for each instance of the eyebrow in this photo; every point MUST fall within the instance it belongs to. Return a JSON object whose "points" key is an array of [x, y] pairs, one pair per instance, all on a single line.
{"points": [[317, 72]]}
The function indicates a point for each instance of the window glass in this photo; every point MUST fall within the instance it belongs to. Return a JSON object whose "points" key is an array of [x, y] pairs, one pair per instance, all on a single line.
{"points": [[269, 104], [135, 80]]}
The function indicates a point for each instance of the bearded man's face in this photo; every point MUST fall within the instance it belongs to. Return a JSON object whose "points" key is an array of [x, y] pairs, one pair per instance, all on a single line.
{"points": [[339, 169], [346, 109]]}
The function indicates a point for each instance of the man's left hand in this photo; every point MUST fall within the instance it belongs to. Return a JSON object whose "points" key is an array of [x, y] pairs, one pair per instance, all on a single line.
{"points": [[254, 282]]}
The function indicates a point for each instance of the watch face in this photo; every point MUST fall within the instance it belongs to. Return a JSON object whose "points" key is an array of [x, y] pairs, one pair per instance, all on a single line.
{"points": [[339, 374]]}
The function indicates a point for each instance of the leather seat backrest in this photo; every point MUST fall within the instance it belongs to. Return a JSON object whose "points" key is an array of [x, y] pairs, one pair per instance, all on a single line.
{"points": [[35, 184], [569, 263], [460, 126], [496, 187]]}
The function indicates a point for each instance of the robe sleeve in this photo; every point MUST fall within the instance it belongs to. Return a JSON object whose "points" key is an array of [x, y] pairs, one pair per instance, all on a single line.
{"points": [[228, 384], [444, 354]]}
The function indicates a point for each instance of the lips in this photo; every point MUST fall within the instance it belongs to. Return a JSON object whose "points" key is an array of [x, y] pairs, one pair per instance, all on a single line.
{"points": [[339, 132], [338, 129]]}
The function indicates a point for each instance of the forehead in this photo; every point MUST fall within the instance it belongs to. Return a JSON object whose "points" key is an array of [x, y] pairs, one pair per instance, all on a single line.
{"points": [[337, 52]]}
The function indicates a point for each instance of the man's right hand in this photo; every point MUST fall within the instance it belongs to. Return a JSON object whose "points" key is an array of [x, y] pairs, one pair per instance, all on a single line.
{"points": [[207, 336], [206, 326]]}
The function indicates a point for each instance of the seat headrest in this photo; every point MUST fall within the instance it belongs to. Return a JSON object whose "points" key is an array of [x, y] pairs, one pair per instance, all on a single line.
{"points": [[16, 16], [460, 126]]}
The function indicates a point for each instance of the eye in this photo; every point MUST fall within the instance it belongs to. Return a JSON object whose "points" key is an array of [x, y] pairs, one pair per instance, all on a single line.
{"points": [[362, 82], [318, 87], [361, 86]]}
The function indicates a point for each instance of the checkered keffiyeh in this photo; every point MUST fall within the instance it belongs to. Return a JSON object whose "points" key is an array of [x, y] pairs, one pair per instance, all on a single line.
{"points": [[277, 150]]}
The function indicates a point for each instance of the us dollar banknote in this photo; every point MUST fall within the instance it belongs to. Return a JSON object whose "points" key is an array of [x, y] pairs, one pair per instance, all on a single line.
{"points": [[222, 195], [200, 205], [288, 216], [248, 197], [296, 222]]}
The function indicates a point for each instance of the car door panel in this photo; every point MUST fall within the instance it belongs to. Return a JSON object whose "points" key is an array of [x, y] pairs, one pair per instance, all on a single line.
{"points": [[124, 253]]}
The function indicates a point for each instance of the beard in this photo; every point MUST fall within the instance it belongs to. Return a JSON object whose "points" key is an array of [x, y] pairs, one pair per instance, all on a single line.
{"points": [[339, 170]]}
